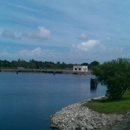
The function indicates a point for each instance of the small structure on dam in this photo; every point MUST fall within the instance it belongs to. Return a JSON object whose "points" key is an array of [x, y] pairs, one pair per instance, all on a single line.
{"points": [[80, 68]]}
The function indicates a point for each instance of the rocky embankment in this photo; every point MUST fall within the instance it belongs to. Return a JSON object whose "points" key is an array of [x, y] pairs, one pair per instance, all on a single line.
{"points": [[78, 117]]}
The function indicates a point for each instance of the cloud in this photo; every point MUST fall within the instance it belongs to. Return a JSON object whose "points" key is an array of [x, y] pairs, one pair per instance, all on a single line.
{"points": [[82, 36], [95, 50], [100, 53], [30, 53], [8, 34], [36, 53], [19, 6], [26, 54], [42, 34], [86, 46]]}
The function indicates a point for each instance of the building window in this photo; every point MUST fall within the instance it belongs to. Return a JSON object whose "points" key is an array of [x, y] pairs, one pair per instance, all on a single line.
{"points": [[75, 68], [79, 68]]}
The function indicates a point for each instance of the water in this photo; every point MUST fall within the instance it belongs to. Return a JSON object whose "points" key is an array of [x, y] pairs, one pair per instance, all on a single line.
{"points": [[27, 100]]}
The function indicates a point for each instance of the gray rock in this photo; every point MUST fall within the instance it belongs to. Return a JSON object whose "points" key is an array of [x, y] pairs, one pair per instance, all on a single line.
{"points": [[78, 117]]}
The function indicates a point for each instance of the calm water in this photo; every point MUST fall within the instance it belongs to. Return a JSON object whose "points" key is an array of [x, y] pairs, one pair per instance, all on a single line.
{"points": [[27, 100]]}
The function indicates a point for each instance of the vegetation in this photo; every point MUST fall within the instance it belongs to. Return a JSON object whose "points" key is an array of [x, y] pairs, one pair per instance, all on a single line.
{"points": [[94, 63], [110, 106], [115, 75], [33, 64]]}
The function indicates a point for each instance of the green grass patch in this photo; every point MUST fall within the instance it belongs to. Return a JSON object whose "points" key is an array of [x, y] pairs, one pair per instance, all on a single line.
{"points": [[107, 106]]}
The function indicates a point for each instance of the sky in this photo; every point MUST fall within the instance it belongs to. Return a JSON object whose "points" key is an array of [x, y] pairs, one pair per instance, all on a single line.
{"points": [[69, 31]]}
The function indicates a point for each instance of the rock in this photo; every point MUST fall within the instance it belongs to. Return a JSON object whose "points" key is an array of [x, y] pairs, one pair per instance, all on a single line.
{"points": [[53, 126], [78, 117]]}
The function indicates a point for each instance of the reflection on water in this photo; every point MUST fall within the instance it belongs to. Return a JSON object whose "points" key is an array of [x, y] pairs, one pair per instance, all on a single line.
{"points": [[93, 85], [93, 89], [27, 100]]}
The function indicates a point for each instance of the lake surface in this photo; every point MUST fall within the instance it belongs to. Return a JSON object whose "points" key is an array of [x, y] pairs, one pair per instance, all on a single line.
{"points": [[27, 100]]}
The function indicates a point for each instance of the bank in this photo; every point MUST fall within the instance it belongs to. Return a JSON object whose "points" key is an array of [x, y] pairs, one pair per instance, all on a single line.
{"points": [[80, 117]]}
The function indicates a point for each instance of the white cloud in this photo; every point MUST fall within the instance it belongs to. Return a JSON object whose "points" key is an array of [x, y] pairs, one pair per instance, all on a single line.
{"points": [[82, 36], [26, 54], [86, 46], [30, 53], [101, 53], [20, 6], [8, 34], [43, 34], [95, 50], [37, 54]]}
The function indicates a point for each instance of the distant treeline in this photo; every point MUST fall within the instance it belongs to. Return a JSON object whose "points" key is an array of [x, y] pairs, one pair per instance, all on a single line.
{"points": [[33, 64]]}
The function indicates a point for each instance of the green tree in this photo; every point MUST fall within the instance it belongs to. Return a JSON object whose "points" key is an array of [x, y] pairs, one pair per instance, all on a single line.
{"points": [[85, 64], [94, 63], [115, 75], [6, 64], [14, 64], [32, 64]]}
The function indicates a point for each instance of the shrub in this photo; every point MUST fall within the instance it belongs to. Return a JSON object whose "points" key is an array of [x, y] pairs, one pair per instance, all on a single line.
{"points": [[115, 75]]}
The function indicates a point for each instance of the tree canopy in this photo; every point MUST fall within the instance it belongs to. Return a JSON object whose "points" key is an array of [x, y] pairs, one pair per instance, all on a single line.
{"points": [[115, 75], [94, 63], [33, 64]]}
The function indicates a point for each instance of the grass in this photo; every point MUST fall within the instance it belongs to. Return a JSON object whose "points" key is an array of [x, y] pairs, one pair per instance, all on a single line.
{"points": [[106, 106]]}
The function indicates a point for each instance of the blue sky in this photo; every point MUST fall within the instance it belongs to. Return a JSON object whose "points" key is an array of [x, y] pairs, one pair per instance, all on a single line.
{"points": [[68, 31]]}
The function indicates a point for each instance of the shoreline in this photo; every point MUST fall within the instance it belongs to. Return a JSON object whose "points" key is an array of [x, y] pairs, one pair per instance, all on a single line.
{"points": [[76, 116]]}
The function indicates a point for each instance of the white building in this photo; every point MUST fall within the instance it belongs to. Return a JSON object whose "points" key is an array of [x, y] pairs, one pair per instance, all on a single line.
{"points": [[80, 68]]}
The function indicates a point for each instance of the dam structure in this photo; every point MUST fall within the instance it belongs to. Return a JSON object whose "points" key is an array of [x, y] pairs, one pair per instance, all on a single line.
{"points": [[53, 71]]}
